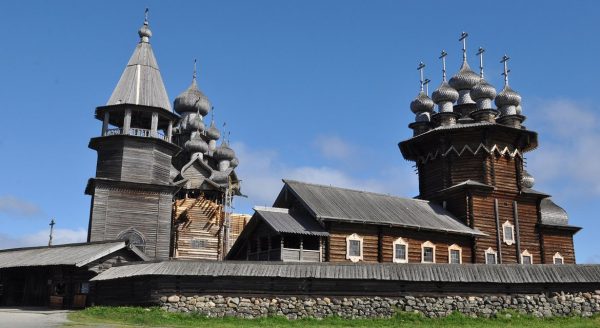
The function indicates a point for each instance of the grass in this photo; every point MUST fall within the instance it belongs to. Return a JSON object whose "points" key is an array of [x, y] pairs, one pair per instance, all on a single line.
{"points": [[155, 317]]}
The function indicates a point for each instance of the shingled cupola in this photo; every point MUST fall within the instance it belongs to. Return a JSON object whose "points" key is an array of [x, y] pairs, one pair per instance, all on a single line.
{"points": [[132, 190]]}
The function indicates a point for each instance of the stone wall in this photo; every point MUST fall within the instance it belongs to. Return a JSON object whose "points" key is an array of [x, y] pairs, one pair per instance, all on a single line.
{"points": [[557, 304]]}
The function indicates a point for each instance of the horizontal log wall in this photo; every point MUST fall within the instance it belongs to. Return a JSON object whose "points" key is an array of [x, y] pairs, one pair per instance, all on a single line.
{"points": [[558, 241]]}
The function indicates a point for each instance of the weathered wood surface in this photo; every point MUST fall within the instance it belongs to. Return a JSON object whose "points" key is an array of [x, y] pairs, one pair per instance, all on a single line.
{"points": [[199, 221]]}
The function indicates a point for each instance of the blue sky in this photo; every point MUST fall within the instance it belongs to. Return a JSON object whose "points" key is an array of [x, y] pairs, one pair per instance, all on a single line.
{"points": [[312, 90]]}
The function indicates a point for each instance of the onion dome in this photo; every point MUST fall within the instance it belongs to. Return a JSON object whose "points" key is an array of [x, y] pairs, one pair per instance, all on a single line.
{"points": [[213, 133], [508, 100], [444, 97], [192, 100], [422, 103], [223, 152], [195, 123], [465, 79], [144, 32], [527, 180], [196, 145], [423, 117], [483, 93], [234, 162]]}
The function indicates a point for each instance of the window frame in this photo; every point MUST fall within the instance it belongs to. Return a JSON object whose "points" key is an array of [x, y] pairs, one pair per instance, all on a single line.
{"points": [[525, 254], [556, 256], [493, 252], [454, 247], [424, 245], [505, 225], [400, 241], [354, 237]]}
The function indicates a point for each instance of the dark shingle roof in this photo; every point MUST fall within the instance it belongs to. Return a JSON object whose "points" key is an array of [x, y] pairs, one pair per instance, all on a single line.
{"points": [[283, 222], [68, 254], [482, 273], [553, 214], [339, 204]]}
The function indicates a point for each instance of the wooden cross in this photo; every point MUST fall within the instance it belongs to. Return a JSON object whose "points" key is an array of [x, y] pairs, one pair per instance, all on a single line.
{"points": [[443, 58], [480, 54], [504, 61], [194, 74], [420, 69], [463, 38], [426, 83], [146, 16], [52, 223]]}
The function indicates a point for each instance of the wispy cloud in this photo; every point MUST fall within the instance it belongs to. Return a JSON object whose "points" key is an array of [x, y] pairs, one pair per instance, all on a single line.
{"points": [[568, 154], [261, 172], [334, 147], [12, 205], [40, 238]]}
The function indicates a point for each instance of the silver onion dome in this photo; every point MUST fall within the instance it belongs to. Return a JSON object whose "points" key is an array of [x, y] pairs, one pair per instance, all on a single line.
{"points": [[193, 122], [465, 79], [192, 100], [212, 132], [508, 97], [196, 145], [144, 32], [483, 90], [422, 103], [223, 152], [444, 93], [527, 180], [423, 117], [234, 162]]}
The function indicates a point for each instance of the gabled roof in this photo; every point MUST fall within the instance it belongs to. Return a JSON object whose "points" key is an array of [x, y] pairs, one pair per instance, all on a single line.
{"points": [[68, 254], [280, 220], [141, 82], [339, 204]]}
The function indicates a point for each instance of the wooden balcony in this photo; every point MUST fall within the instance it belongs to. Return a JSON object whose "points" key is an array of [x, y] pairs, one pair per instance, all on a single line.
{"points": [[136, 132]]}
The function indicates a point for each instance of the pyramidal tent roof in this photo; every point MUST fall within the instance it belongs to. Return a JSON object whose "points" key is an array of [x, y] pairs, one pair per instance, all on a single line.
{"points": [[141, 82]]}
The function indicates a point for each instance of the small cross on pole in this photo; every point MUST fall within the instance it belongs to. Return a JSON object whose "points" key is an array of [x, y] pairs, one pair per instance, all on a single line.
{"points": [[426, 83], [463, 38], [420, 69], [480, 54], [52, 223], [504, 61], [443, 58]]}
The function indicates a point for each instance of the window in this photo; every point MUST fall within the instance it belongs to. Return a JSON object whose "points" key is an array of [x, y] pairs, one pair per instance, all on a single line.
{"points": [[134, 238], [400, 251], [428, 252], [526, 258], [454, 254], [354, 245], [491, 256], [508, 232], [558, 259]]}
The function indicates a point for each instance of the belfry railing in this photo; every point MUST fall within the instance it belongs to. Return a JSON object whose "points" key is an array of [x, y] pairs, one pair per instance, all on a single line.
{"points": [[137, 132]]}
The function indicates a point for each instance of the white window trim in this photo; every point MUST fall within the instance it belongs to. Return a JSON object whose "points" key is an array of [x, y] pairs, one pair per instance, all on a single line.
{"points": [[490, 251], [427, 244], [524, 254], [557, 256], [512, 227], [400, 241], [348, 239], [455, 247]]}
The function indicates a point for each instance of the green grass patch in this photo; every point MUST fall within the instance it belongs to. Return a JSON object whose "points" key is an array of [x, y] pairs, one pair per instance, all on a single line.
{"points": [[155, 317]]}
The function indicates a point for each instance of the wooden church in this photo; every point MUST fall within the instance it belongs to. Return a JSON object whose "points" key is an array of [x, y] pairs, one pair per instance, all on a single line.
{"points": [[162, 182], [475, 205]]}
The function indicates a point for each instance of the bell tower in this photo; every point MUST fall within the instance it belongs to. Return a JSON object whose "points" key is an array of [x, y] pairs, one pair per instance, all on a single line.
{"points": [[132, 192]]}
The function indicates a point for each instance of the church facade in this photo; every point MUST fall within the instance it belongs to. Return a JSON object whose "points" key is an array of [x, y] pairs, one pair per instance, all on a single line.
{"points": [[162, 182], [476, 201]]}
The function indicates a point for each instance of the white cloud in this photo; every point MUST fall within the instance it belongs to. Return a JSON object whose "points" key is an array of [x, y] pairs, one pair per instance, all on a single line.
{"points": [[334, 147], [568, 153], [40, 238], [15, 206], [261, 172]]}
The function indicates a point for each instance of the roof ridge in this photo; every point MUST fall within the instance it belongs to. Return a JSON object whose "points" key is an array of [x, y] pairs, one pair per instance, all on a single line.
{"points": [[61, 245], [287, 181]]}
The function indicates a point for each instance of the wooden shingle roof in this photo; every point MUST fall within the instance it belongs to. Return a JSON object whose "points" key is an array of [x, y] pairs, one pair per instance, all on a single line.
{"points": [[283, 222], [480, 273], [346, 205]]}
